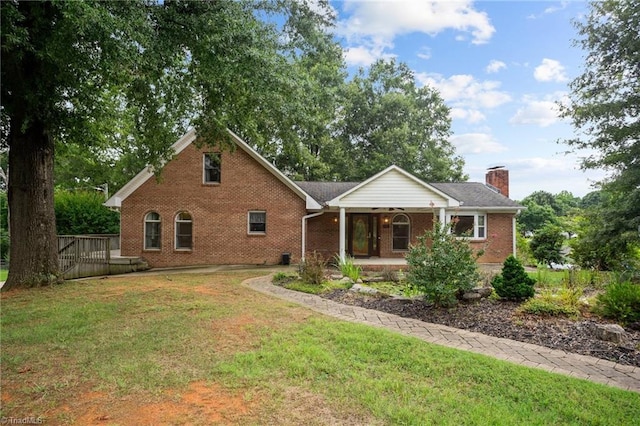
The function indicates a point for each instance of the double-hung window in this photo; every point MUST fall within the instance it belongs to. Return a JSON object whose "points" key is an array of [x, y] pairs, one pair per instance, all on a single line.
{"points": [[211, 168], [152, 228], [401, 227], [257, 222], [184, 231], [470, 225]]}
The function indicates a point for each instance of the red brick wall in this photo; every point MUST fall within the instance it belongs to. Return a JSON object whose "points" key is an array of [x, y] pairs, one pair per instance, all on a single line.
{"points": [[219, 213], [499, 242]]}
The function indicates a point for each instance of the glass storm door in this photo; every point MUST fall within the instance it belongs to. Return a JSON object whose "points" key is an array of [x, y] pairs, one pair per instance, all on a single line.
{"points": [[363, 234]]}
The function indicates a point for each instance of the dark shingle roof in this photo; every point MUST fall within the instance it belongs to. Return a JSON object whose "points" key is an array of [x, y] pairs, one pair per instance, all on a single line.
{"points": [[475, 194], [471, 194], [325, 191]]}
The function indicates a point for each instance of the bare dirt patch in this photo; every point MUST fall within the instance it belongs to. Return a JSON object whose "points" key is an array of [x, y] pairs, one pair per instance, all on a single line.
{"points": [[501, 319], [200, 403]]}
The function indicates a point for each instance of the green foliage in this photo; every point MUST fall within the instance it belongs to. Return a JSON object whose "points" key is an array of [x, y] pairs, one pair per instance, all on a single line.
{"points": [[440, 266], [312, 268], [523, 250], [348, 268], [605, 240], [552, 304], [603, 108], [388, 119], [546, 244], [283, 278], [513, 282], [79, 213], [620, 301]]}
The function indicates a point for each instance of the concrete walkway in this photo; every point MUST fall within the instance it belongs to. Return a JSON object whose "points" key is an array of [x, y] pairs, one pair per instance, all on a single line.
{"points": [[556, 361]]}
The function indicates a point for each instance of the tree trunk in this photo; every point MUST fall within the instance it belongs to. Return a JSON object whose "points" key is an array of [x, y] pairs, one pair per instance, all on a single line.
{"points": [[33, 253]]}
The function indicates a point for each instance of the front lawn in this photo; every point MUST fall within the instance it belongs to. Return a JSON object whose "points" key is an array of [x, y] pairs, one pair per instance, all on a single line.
{"points": [[201, 349]]}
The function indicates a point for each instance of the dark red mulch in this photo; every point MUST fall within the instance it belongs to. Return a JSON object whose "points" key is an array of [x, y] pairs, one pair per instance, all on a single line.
{"points": [[500, 319]]}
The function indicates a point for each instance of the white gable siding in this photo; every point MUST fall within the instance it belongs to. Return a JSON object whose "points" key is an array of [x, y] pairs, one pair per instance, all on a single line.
{"points": [[393, 189]]}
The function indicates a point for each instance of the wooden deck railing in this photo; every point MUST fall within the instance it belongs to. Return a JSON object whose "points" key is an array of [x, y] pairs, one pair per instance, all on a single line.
{"points": [[74, 249]]}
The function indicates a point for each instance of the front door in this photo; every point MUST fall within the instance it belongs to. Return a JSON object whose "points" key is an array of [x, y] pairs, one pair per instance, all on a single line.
{"points": [[363, 235]]}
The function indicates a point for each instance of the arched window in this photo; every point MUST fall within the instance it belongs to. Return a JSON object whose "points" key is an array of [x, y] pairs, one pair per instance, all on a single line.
{"points": [[184, 234], [152, 228], [400, 231]]}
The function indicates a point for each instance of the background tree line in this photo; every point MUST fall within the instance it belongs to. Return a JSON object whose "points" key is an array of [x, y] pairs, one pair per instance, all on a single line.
{"points": [[559, 228]]}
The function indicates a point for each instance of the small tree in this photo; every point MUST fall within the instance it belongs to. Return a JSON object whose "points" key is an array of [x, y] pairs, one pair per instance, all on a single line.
{"points": [[441, 266], [513, 282], [546, 245]]}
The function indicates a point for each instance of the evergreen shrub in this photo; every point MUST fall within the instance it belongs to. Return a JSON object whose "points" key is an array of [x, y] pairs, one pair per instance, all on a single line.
{"points": [[513, 282]]}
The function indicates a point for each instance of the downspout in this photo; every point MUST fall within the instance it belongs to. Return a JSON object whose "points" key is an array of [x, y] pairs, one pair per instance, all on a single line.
{"points": [[513, 235], [304, 231]]}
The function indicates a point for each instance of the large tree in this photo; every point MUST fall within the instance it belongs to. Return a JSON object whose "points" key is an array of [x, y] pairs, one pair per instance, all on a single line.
{"points": [[604, 107], [386, 119], [134, 75]]}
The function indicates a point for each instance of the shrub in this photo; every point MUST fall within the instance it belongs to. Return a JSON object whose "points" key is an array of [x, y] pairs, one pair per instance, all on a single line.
{"points": [[282, 278], [312, 268], [548, 305], [513, 282], [620, 301], [81, 212], [441, 266], [348, 268]]}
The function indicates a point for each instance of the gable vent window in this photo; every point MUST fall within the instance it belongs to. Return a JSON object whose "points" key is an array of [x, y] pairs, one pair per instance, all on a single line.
{"points": [[257, 222], [152, 227], [184, 231], [212, 168]]}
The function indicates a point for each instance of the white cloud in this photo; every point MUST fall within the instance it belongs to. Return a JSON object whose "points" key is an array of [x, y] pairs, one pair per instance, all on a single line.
{"points": [[551, 9], [386, 20], [472, 116], [538, 112], [360, 56], [476, 143], [463, 90], [495, 66], [550, 70]]}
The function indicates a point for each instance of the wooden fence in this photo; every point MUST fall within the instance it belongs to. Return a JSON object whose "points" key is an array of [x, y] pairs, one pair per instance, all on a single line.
{"points": [[79, 249]]}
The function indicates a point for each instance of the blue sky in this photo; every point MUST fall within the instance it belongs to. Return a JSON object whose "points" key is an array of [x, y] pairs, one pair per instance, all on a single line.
{"points": [[499, 65]]}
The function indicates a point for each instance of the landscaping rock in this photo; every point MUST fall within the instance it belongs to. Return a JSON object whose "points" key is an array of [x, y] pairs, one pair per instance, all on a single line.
{"points": [[373, 279], [345, 280], [610, 333], [363, 289], [335, 277], [477, 293]]}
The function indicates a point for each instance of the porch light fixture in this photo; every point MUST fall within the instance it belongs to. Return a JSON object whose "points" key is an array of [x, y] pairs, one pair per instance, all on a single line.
{"points": [[385, 219], [335, 219]]}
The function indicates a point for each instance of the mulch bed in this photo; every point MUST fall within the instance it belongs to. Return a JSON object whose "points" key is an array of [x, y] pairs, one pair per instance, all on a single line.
{"points": [[501, 319]]}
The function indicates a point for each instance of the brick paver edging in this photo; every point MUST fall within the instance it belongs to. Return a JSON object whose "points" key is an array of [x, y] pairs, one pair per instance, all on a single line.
{"points": [[556, 361]]}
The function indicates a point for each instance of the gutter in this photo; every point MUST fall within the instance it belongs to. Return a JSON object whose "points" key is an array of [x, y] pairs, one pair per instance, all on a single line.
{"points": [[304, 231]]}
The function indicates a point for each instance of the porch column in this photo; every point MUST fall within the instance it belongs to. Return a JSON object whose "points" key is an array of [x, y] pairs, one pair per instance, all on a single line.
{"points": [[442, 218], [343, 229]]}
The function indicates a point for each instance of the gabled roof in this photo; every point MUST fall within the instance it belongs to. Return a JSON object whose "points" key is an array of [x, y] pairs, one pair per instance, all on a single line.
{"points": [[185, 141], [459, 195]]}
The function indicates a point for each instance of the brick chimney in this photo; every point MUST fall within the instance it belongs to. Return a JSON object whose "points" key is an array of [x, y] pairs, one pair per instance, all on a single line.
{"points": [[498, 177]]}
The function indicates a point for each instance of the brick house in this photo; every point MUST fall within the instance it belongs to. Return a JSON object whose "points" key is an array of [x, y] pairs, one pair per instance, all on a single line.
{"points": [[234, 207]]}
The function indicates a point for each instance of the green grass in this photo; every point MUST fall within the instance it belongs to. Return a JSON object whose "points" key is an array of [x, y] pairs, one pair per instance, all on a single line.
{"points": [[138, 339], [3, 274]]}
